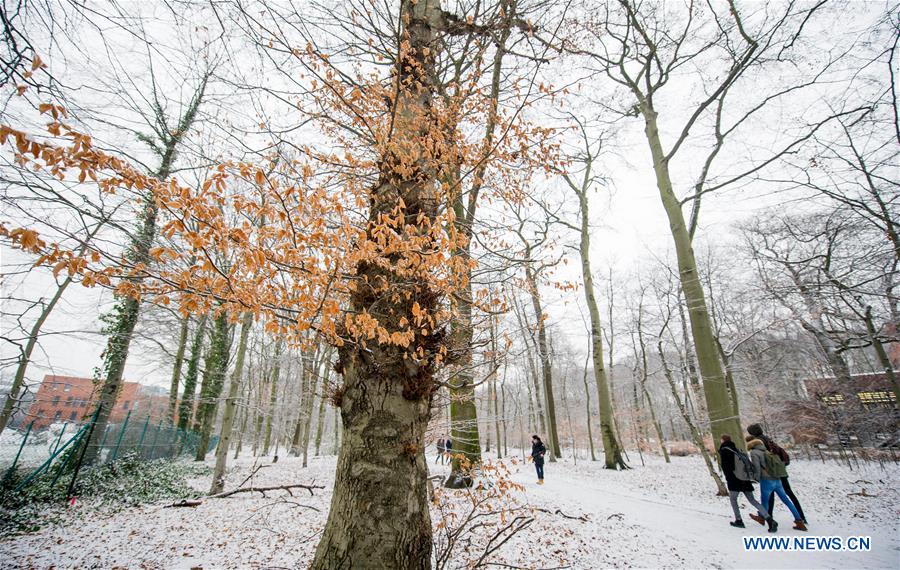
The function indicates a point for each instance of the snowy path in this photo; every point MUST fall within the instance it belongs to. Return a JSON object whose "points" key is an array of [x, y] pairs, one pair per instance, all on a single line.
{"points": [[688, 528], [653, 516]]}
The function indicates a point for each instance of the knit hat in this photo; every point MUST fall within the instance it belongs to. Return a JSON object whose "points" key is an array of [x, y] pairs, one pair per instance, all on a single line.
{"points": [[755, 430]]}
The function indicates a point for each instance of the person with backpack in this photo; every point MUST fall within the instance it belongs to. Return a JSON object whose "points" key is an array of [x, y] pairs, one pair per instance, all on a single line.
{"points": [[771, 470], [739, 477], [441, 450], [756, 431], [537, 455], [448, 449]]}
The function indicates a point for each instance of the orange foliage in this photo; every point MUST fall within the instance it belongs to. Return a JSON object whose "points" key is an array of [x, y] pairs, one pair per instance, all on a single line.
{"points": [[285, 239]]}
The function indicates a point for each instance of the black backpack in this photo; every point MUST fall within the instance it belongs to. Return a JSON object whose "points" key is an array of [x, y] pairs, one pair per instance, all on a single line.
{"points": [[744, 469]]}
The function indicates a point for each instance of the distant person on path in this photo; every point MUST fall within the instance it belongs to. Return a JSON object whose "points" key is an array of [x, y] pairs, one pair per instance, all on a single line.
{"points": [[537, 454], [756, 431], [771, 471], [441, 450], [448, 449], [739, 480]]}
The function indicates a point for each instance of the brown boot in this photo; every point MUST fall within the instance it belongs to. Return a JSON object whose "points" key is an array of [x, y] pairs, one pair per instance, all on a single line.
{"points": [[798, 525], [758, 518], [540, 481]]}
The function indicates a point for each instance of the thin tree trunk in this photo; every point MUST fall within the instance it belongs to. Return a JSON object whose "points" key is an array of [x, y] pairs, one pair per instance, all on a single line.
{"points": [[213, 382], [612, 449], [695, 433], [335, 443], [308, 405], [546, 369], [524, 326], [305, 379], [273, 396], [245, 412], [218, 478], [176, 369], [587, 407], [186, 406], [644, 375], [320, 424], [12, 399]]}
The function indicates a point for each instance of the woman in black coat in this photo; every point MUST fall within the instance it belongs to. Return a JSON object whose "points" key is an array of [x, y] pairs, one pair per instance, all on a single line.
{"points": [[537, 454], [728, 453]]}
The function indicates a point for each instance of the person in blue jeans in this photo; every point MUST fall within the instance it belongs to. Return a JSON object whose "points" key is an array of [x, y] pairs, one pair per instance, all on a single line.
{"points": [[537, 454], [770, 479]]}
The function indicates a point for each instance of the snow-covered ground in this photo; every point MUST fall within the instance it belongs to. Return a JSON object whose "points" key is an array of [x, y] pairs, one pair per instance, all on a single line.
{"points": [[656, 516]]}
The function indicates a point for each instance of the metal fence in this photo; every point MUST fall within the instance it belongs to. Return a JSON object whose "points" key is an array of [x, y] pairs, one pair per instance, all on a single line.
{"points": [[28, 454]]}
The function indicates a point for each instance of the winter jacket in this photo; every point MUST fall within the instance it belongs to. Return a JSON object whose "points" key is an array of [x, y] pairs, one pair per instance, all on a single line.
{"points": [[756, 431], [758, 453], [448, 445], [441, 446], [726, 453], [537, 451]]}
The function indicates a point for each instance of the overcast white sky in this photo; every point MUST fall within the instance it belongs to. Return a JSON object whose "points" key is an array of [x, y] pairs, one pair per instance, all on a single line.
{"points": [[631, 229]]}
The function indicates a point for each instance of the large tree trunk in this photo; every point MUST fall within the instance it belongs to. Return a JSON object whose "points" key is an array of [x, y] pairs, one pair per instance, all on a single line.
{"points": [[718, 402], [218, 479], [379, 515]]}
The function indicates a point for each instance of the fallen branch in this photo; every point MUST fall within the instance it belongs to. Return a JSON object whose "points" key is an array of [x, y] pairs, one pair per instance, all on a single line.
{"points": [[863, 493], [253, 472], [617, 516], [186, 503], [264, 490], [582, 518]]}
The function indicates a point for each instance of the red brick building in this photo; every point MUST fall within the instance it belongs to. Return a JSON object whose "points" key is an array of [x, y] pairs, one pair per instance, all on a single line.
{"points": [[69, 399]]}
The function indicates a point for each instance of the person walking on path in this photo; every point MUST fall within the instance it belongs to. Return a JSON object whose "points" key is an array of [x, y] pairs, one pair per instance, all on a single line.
{"points": [[537, 455], [441, 450], [771, 470], [756, 431], [739, 480]]}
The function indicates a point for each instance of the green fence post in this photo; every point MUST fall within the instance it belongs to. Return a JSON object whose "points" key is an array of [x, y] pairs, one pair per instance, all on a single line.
{"points": [[18, 453], [106, 431], [143, 433], [119, 440], [46, 464], [58, 439], [173, 445], [155, 437], [71, 490]]}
